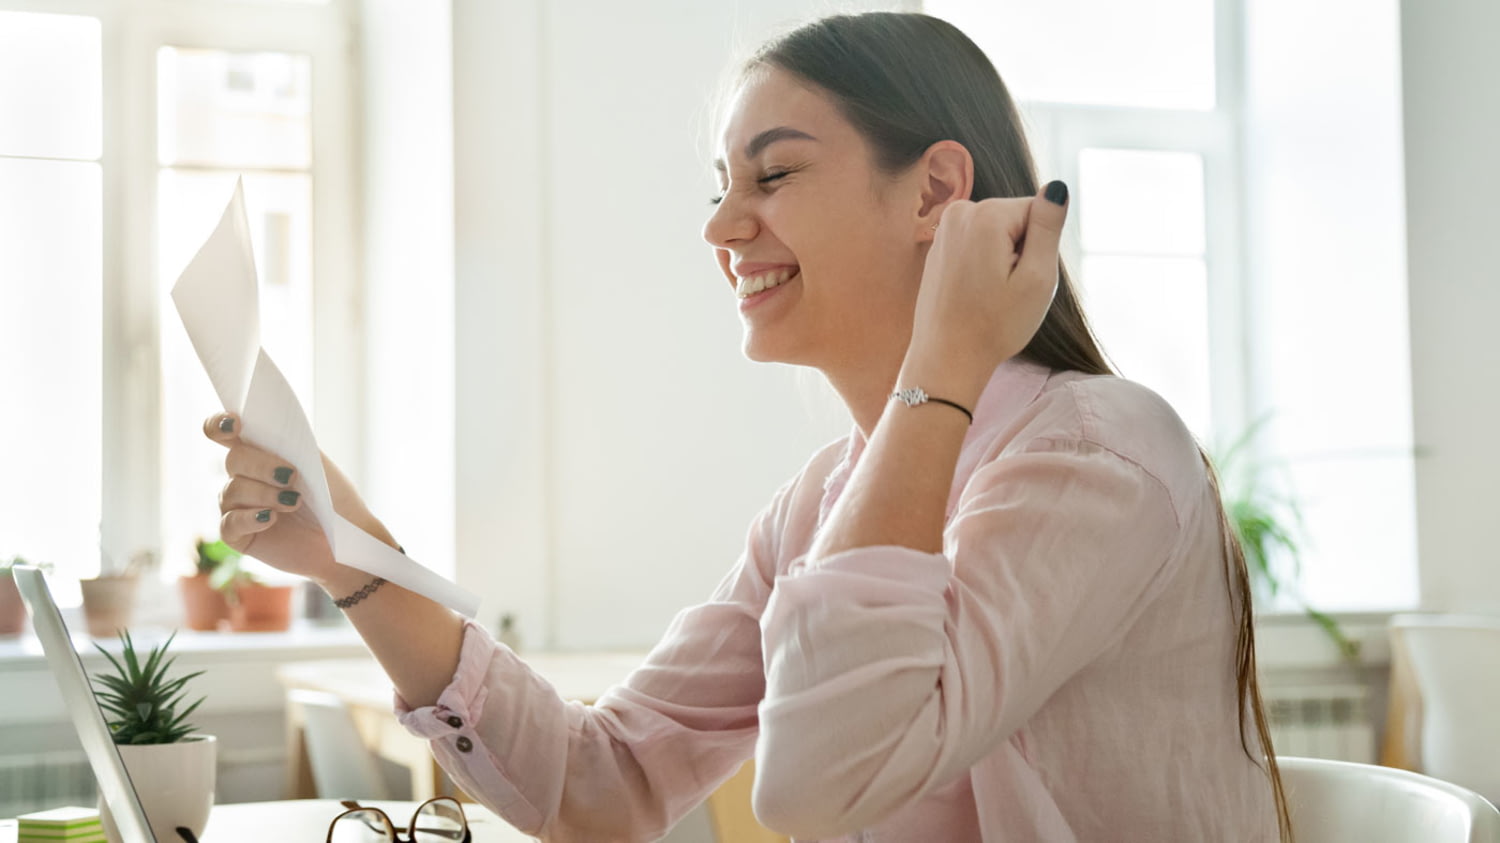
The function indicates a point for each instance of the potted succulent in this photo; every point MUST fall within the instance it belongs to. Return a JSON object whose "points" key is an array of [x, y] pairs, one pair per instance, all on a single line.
{"points": [[1269, 527], [254, 605], [173, 768], [204, 606]]}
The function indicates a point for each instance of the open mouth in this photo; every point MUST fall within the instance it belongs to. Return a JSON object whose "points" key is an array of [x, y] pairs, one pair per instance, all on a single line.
{"points": [[751, 285]]}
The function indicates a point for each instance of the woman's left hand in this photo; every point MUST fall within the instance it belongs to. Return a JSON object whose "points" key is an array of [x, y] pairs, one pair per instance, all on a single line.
{"points": [[989, 279]]}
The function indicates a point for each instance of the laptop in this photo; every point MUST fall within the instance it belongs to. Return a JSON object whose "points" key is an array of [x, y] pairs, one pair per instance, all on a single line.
{"points": [[114, 782]]}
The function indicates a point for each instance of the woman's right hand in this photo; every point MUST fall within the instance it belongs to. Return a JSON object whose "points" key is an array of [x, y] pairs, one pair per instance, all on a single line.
{"points": [[263, 516]]}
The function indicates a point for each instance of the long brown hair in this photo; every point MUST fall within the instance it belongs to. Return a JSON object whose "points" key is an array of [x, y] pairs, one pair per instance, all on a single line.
{"points": [[907, 81]]}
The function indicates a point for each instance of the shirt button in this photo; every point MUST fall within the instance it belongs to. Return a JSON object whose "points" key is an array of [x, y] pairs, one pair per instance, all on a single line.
{"points": [[464, 744], [455, 721]]}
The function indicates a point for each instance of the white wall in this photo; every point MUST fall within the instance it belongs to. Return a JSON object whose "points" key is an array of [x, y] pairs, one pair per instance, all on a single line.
{"points": [[613, 444], [1452, 119], [407, 77]]}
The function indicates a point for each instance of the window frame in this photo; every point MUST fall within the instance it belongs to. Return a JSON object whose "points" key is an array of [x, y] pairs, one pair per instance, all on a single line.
{"points": [[1240, 319], [1060, 132], [131, 33]]}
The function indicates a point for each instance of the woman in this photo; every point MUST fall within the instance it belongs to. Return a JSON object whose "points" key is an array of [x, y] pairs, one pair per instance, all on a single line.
{"points": [[1007, 607]]}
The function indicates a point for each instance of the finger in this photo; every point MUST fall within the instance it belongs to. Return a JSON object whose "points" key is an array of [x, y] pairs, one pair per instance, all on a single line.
{"points": [[248, 461], [1049, 210], [1007, 217], [240, 527], [223, 428], [245, 493]]}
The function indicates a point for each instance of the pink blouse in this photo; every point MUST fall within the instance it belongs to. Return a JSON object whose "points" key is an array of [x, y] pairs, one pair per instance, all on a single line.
{"points": [[1063, 671]]}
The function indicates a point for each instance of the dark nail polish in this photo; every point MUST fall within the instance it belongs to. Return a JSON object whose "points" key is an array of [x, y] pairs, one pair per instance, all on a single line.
{"points": [[1057, 193], [263, 516], [283, 475], [288, 498], [226, 424]]}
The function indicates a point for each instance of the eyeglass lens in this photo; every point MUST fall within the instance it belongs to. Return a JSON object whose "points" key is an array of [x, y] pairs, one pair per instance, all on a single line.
{"points": [[438, 821], [365, 826]]}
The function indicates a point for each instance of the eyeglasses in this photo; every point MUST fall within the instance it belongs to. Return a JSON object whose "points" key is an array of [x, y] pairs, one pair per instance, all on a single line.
{"points": [[439, 820]]}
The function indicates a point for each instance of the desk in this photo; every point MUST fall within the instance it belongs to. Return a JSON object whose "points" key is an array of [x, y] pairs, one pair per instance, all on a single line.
{"points": [[306, 821]]}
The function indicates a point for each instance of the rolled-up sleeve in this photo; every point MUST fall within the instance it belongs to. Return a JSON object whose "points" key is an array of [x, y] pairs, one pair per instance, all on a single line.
{"points": [[890, 671], [629, 766]]}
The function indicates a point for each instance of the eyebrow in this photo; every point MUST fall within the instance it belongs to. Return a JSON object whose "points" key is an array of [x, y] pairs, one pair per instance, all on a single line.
{"points": [[758, 144]]}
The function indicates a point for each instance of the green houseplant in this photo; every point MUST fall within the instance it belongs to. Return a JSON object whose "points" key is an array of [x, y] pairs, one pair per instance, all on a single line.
{"points": [[1269, 526], [204, 606], [254, 605], [141, 699], [147, 713]]}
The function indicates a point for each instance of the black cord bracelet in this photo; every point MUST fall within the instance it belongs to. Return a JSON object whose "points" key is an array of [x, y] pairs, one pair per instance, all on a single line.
{"points": [[915, 396]]}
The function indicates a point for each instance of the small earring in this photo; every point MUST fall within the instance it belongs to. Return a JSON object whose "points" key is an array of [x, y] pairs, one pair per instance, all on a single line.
{"points": [[932, 227]]}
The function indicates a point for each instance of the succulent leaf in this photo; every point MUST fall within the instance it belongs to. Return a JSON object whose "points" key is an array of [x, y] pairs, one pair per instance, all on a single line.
{"points": [[141, 700]]}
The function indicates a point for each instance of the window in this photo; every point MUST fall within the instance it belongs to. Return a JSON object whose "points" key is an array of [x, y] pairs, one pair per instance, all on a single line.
{"points": [[51, 285], [123, 128], [1231, 180]]}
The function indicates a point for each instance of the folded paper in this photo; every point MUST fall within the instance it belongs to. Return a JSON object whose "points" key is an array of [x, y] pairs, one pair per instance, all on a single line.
{"points": [[218, 300]]}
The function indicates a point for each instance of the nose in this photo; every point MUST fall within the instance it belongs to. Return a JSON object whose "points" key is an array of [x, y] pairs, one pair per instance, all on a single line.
{"points": [[729, 223]]}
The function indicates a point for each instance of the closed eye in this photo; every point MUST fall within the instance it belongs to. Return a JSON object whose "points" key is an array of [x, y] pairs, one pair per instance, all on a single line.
{"points": [[768, 178]]}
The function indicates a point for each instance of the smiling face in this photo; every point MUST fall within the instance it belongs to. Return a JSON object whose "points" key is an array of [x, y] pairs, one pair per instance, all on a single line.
{"points": [[820, 247]]}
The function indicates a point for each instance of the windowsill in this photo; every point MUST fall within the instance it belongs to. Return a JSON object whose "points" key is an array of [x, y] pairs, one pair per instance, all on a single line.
{"points": [[304, 640], [239, 667], [1288, 640], [1285, 639]]}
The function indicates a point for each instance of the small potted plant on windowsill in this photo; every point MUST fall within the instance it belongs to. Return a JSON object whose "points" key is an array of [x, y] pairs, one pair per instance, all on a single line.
{"points": [[12, 610], [172, 767], [203, 605], [254, 605], [109, 599]]}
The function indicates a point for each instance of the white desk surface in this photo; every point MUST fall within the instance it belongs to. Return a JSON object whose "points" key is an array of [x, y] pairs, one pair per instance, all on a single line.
{"points": [[306, 821]]}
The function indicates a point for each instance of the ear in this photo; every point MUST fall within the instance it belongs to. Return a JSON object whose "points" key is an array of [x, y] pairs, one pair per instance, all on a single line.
{"points": [[946, 175]]}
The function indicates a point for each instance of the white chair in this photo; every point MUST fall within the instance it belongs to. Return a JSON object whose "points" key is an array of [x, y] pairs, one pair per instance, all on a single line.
{"points": [[1344, 802], [342, 766], [1455, 663]]}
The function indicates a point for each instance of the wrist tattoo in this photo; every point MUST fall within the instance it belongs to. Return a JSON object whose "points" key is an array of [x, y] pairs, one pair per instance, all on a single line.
{"points": [[367, 590]]}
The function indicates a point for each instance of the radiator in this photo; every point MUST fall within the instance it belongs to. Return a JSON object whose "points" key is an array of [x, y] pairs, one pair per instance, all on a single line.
{"points": [[45, 780], [1322, 721], [39, 781]]}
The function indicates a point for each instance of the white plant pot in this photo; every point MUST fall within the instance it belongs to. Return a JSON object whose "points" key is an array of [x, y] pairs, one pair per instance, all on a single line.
{"points": [[175, 782]]}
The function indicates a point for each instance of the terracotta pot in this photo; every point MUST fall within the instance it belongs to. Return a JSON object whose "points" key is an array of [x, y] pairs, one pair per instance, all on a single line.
{"points": [[107, 602], [175, 782], [261, 608], [203, 605], [12, 610]]}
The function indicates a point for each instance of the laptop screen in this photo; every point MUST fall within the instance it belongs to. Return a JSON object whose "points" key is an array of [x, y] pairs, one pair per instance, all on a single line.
{"points": [[114, 782]]}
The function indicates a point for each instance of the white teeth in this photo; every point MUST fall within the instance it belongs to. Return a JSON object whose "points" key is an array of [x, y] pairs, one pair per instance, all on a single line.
{"points": [[757, 283]]}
